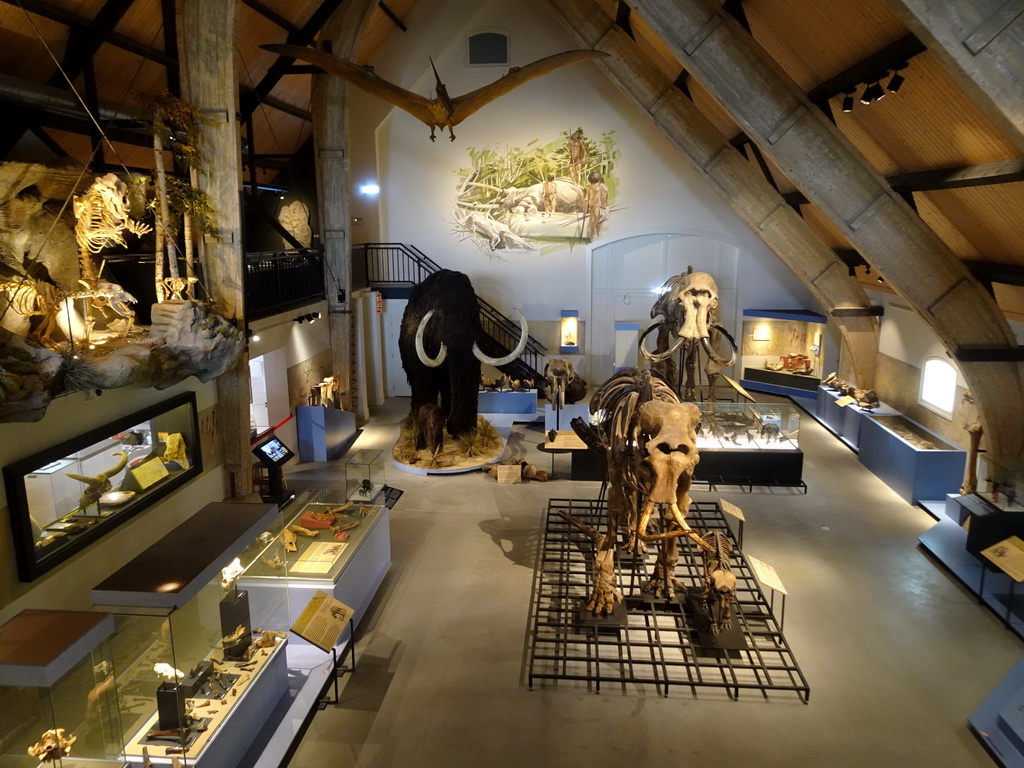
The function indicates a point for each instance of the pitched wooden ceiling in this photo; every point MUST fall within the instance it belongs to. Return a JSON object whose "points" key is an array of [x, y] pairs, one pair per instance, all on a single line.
{"points": [[934, 143]]}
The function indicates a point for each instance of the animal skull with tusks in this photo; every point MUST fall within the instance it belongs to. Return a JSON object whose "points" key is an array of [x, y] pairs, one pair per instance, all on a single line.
{"points": [[688, 306], [497, 362], [559, 374]]}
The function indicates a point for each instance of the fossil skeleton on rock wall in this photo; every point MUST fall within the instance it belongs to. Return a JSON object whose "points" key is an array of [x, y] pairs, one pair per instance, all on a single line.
{"points": [[649, 441]]}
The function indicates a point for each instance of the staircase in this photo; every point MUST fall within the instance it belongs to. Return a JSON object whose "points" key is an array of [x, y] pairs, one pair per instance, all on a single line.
{"points": [[396, 265]]}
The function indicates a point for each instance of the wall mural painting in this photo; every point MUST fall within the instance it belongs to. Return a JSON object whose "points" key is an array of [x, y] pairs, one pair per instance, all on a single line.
{"points": [[523, 198]]}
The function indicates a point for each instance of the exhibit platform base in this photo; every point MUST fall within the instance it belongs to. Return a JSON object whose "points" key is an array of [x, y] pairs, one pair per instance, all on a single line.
{"points": [[661, 643], [999, 721]]}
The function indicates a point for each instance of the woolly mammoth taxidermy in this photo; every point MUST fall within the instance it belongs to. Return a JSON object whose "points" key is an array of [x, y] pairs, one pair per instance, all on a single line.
{"points": [[443, 111], [565, 386], [440, 347], [649, 441], [688, 306]]}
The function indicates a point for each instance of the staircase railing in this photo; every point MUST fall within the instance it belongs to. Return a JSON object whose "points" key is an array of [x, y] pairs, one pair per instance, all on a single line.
{"points": [[398, 264], [277, 281]]}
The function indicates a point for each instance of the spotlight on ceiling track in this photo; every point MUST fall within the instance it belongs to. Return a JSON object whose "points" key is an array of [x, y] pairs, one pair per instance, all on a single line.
{"points": [[848, 101], [895, 82], [872, 93]]}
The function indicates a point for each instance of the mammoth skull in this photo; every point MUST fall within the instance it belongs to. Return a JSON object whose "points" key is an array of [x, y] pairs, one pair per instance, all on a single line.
{"points": [[558, 373], [688, 306], [667, 442]]}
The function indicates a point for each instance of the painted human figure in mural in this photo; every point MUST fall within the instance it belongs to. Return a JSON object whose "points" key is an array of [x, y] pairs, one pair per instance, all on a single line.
{"points": [[578, 155], [596, 202], [549, 195]]}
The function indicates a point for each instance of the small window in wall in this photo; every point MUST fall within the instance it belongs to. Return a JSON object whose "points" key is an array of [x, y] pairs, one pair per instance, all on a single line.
{"points": [[488, 48], [938, 386]]}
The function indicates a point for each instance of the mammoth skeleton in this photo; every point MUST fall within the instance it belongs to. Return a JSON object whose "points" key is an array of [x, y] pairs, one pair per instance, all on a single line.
{"points": [[688, 306], [649, 440]]}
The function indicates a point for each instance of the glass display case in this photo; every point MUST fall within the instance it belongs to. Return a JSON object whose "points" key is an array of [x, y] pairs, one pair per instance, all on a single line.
{"points": [[749, 426], [193, 651], [63, 498], [1001, 485], [364, 473], [783, 348], [317, 540], [58, 698]]}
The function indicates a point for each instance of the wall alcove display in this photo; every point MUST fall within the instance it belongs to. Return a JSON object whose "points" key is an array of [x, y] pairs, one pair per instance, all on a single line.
{"points": [[782, 350], [68, 496]]}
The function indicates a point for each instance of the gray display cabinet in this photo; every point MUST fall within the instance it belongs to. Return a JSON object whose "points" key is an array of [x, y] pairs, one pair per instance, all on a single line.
{"points": [[58, 697], [174, 605]]}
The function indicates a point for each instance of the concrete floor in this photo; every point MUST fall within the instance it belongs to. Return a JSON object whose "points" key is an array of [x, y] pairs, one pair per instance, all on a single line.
{"points": [[897, 654]]}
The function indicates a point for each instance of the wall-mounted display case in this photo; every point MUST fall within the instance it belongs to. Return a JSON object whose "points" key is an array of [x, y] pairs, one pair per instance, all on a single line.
{"points": [[199, 663], [569, 332], [66, 497], [58, 699], [782, 349]]}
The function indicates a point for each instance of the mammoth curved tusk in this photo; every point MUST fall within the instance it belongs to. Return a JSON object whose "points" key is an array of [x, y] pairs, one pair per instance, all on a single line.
{"points": [[421, 353], [500, 361], [706, 343], [657, 357]]}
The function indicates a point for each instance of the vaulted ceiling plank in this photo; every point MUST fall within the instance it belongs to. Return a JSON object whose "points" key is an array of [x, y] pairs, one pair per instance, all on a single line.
{"points": [[270, 14], [979, 42], [393, 16], [277, 70], [775, 113], [82, 43], [282, 106], [638, 76], [74, 21]]}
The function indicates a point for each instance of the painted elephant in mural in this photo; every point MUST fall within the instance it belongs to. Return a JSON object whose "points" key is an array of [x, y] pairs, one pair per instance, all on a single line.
{"points": [[440, 348], [688, 306]]}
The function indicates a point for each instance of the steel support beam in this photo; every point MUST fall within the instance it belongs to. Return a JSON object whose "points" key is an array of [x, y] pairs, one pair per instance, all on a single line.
{"points": [[914, 261], [738, 181]]}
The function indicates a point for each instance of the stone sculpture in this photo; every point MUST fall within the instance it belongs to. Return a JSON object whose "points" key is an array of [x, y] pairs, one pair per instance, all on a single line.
{"points": [[439, 348], [688, 306], [649, 441]]}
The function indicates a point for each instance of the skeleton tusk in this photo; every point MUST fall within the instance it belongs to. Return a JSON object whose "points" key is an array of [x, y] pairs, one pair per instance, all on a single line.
{"points": [[500, 361], [642, 528], [706, 343], [421, 353], [657, 357]]}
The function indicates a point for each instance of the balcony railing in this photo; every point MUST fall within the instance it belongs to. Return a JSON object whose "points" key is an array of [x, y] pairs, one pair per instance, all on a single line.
{"points": [[277, 281]]}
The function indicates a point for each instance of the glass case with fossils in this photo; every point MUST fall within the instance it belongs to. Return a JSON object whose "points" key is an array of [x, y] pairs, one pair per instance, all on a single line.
{"points": [[65, 497], [58, 699], [783, 348], [322, 530], [1001, 484], [748, 426], [364, 473]]}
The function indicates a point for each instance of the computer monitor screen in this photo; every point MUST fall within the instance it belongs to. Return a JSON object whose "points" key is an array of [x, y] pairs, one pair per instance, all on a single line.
{"points": [[272, 452]]}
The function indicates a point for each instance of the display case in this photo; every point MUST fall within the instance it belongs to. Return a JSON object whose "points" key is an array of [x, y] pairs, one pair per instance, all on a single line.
{"points": [[917, 464], [331, 543], [62, 499], [364, 473], [58, 698], [750, 444], [782, 350], [569, 332], [1000, 484], [199, 661]]}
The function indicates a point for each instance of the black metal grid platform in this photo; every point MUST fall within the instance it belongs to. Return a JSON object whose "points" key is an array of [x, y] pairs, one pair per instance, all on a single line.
{"points": [[658, 644]]}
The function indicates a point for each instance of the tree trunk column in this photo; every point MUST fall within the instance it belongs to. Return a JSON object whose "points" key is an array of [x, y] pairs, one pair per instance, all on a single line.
{"points": [[206, 49]]}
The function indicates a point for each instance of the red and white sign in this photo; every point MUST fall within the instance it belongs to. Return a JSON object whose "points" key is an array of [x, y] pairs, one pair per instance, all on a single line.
{"points": [[379, 302]]}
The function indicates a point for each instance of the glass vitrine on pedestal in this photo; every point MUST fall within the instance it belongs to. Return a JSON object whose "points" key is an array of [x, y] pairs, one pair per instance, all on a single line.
{"points": [[364, 473]]}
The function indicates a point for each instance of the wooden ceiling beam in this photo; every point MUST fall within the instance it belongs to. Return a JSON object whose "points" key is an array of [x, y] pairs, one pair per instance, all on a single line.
{"points": [[280, 106], [391, 15], [83, 43], [982, 175], [304, 36], [74, 21], [272, 16]]}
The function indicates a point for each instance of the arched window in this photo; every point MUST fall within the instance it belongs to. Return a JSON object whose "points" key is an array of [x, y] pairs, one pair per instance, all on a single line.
{"points": [[938, 386], [488, 48]]}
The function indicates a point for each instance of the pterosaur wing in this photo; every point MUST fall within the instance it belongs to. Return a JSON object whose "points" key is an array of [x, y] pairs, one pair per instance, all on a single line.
{"points": [[416, 105], [469, 103]]}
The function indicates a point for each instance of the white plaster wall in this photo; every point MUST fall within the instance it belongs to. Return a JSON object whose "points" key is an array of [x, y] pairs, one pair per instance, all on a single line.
{"points": [[906, 337], [658, 191]]}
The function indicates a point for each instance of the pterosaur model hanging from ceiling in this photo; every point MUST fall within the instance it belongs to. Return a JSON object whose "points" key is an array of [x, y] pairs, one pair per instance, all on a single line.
{"points": [[441, 111]]}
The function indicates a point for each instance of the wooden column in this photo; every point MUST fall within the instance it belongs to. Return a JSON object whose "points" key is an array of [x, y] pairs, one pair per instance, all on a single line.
{"points": [[739, 182], [330, 142], [206, 51], [914, 261]]}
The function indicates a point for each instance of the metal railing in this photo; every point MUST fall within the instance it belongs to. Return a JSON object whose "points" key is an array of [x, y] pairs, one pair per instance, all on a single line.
{"points": [[397, 264], [276, 281]]}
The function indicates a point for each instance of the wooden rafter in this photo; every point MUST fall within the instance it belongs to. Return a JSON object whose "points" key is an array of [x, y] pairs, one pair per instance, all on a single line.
{"points": [[83, 43], [280, 106], [272, 16]]}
